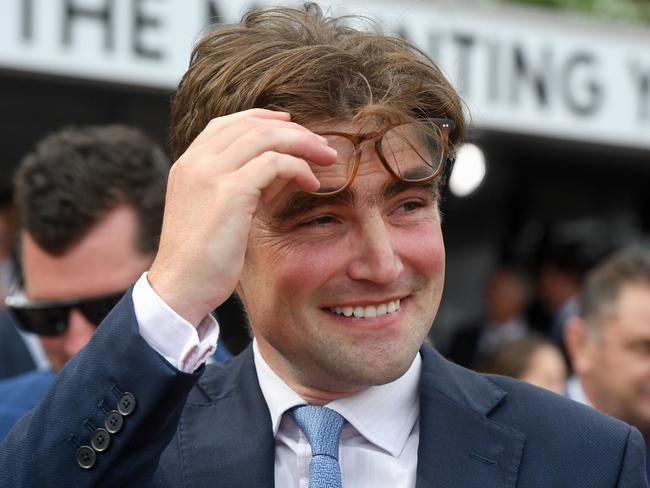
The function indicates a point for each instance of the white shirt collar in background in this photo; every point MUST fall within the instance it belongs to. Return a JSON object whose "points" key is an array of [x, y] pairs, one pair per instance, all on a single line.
{"points": [[574, 391]]}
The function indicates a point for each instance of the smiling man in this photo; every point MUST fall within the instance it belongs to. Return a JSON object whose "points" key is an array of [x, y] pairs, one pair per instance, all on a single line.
{"points": [[309, 156]]}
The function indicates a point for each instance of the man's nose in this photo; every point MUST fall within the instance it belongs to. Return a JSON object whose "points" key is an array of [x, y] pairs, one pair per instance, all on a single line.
{"points": [[375, 259], [79, 332]]}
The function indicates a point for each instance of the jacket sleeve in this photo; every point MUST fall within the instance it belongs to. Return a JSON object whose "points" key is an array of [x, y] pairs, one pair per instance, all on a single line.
{"points": [[633, 472], [106, 418]]}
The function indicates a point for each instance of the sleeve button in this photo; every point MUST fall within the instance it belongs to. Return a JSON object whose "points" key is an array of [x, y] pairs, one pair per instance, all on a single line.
{"points": [[100, 440], [113, 422], [126, 404], [86, 457]]}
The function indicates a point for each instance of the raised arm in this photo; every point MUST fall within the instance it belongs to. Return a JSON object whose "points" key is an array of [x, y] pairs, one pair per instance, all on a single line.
{"points": [[114, 408]]}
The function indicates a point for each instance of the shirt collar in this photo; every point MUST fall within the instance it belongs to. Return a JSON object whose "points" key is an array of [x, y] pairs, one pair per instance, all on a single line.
{"points": [[575, 391], [385, 415], [278, 395]]}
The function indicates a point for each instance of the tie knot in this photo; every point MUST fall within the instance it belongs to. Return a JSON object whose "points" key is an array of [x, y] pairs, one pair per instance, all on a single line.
{"points": [[322, 427]]}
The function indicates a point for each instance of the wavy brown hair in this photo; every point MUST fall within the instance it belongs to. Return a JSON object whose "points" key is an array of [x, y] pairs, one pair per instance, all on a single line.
{"points": [[317, 68]]}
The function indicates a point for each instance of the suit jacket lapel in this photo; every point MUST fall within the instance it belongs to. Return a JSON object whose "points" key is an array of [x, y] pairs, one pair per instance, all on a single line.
{"points": [[459, 445], [239, 435]]}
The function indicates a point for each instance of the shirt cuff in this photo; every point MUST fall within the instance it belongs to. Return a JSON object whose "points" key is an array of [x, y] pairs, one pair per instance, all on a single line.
{"points": [[170, 335]]}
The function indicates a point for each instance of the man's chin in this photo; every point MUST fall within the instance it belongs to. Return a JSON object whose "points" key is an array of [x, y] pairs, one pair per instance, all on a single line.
{"points": [[373, 367]]}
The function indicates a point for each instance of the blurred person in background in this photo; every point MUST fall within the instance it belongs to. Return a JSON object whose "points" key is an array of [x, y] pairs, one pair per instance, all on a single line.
{"points": [[566, 253], [609, 343], [15, 356], [7, 237], [532, 359], [90, 204], [507, 295], [559, 277]]}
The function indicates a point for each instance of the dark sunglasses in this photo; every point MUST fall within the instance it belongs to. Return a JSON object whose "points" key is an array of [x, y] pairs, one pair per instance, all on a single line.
{"points": [[51, 318]]}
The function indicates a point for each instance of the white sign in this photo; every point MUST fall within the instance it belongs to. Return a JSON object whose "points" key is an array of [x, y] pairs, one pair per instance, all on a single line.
{"points": [[518, 71]]}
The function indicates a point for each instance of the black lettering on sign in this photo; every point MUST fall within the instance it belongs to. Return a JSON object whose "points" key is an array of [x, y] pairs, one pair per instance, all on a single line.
{"points": [[493, 60], [403, 33], [252, 6], [592, 99], [27, 31], [641, 80], [213, 11], [141, 22], [74, 12], [524, 74], [433, 45], [465, 43]]}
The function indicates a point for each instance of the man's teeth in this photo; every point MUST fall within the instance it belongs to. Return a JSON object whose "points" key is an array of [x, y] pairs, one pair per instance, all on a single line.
{"points": [[369, 311]]}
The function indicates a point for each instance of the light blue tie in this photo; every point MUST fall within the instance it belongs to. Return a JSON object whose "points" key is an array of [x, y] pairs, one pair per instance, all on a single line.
{"points": [[322, 427]]}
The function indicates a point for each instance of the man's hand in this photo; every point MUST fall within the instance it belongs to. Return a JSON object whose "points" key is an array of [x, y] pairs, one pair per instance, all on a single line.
{"points": [[213, 192]]}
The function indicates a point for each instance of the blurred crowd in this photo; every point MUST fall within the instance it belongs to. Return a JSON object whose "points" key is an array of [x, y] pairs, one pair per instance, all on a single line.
{"points": [[577, 323]]}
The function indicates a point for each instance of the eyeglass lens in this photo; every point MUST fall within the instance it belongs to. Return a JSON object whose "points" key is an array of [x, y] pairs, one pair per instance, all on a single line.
{"points": [[413, 152]]}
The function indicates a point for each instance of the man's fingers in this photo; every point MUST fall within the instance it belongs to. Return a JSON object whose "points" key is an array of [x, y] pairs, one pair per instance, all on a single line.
{"points": [[272, 171], [260, 140], [219, 123], [227, 134]]}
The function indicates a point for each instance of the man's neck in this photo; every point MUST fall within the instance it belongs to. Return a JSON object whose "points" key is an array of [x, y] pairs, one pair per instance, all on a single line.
{"points": [[322, 395]]}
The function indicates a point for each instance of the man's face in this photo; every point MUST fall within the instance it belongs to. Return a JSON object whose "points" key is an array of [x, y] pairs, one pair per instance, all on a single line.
{"points": [[546, 369], [105, 261], [617, 369], [309, 264]]}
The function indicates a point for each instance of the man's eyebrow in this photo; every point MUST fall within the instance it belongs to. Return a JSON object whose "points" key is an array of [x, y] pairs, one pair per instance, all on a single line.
{"points": [[300, 203], [393, 188]]}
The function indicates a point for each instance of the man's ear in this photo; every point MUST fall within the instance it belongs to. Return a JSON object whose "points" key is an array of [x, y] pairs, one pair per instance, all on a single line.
{"points": [[579, 345]]}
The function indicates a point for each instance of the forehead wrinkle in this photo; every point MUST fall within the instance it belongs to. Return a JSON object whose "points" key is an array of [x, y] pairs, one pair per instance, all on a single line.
{"points": [[300, 203]]}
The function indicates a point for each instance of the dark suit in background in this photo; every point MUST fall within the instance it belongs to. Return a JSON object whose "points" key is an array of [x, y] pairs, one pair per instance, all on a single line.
{"points": [[19, 394], [15, 358]]}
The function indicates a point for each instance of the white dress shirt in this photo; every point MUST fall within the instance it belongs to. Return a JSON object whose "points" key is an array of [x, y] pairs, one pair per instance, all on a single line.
{"points": [[379, 442], [174, 338]]}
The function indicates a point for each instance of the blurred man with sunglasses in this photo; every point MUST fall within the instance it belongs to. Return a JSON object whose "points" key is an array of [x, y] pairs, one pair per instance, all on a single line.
{"points": [[309, 160], [90, 203]]}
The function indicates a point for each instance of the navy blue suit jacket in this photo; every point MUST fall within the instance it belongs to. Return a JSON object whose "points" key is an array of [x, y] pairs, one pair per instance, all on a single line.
{"points": [[15, 358], [213, 429]]}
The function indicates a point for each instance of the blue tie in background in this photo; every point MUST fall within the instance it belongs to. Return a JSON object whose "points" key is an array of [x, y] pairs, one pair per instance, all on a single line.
{"points": [[322, 427]]}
